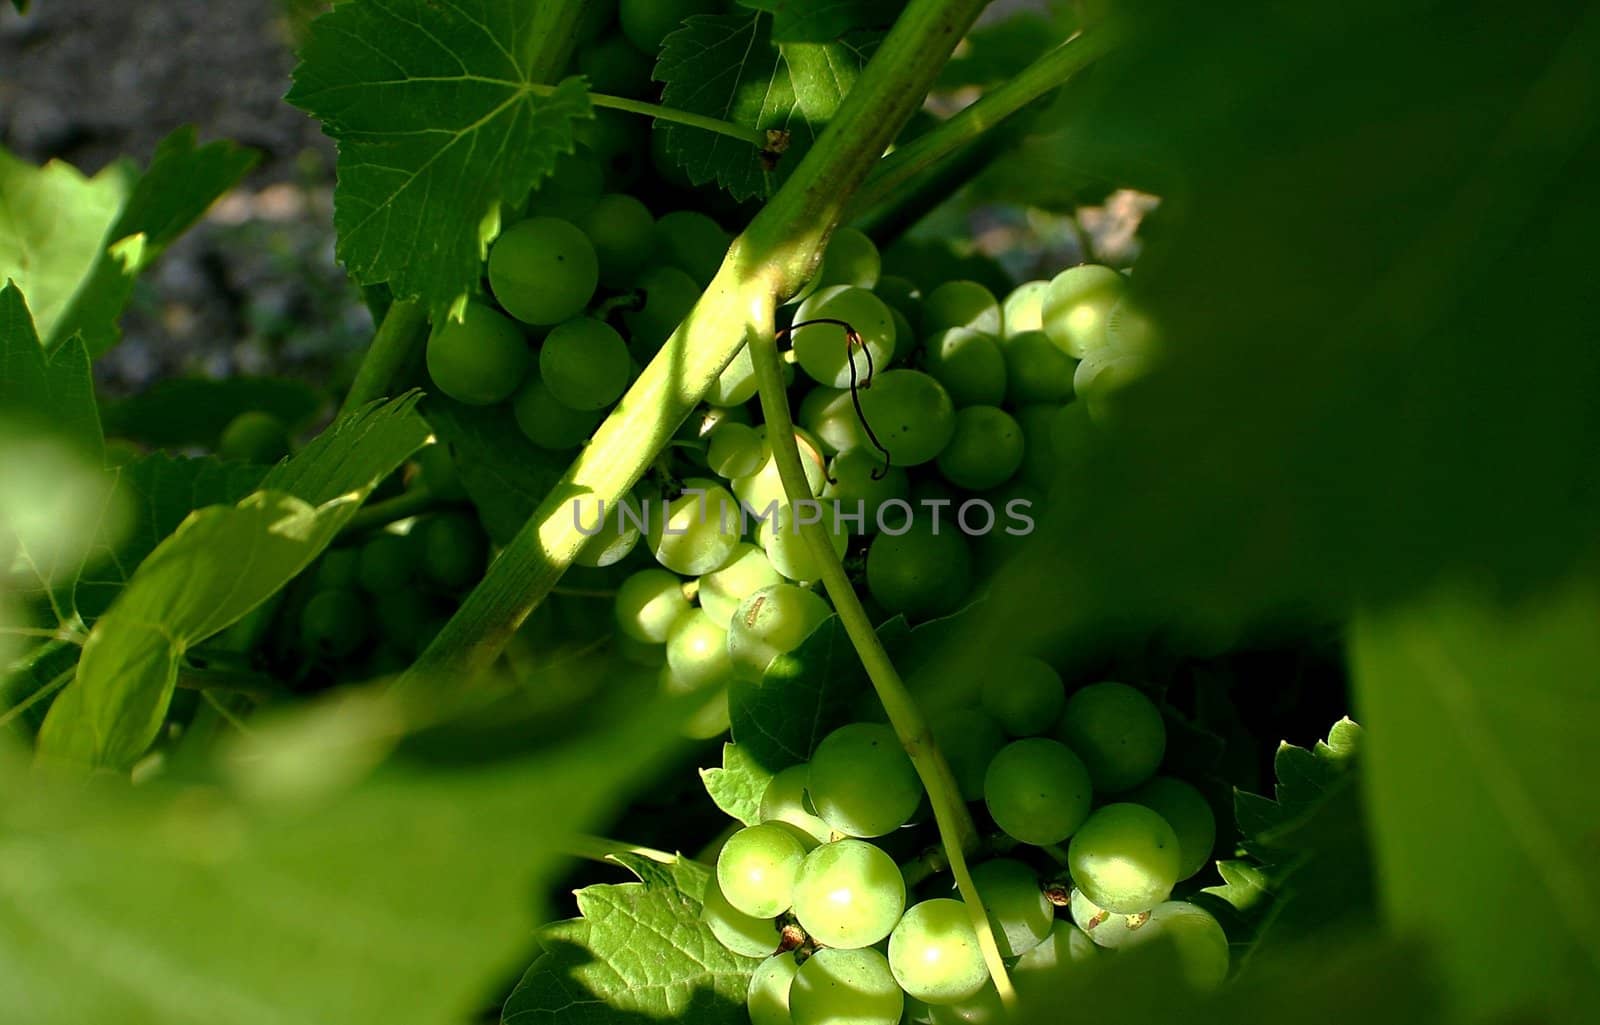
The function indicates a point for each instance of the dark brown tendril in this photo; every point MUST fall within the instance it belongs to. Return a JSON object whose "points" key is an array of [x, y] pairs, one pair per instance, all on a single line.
{"points": [[852, 341]]}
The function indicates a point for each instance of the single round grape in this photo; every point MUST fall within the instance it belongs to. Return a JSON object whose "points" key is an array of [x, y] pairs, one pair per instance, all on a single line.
{"points": [[454, 549], [1037, 791], [747, 571], [858, 486], [823, 350], [905, 336], [1118, 733], [756, 869], [920, 573], [845, 987], [934, 953], [613, 530], [851, 259], [697, 531], [984, 1008], [388, 563], [333, 623], [1188, 813], [623, 235], [911, 413], [788, 548], [764, 488], [711, 719], [771, 623], [830, 414], [849, 894], [861, 782], [584, 363], [735, 450], [784, 800], [697, 652], [647, 22], [767, 999], [969, 364], [648, 604], [737, 384], [1036, 370], [615, 67], [1197, 940], [1051, 974], [480, 359], [1019, 914], [1106, 928], [571, 190], [692, 242], [436, 471], [969, 740], [739, 932], [1023, 309], [961, 304], [902, 295], [549, 424], [1076, 305], [1124, 858], [1024, 695], [543, 270], [254, 437], [338, 568], [669, 295], [985, 451]]}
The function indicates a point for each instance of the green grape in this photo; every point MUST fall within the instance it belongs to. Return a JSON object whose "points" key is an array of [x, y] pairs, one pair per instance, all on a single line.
{"points": [[710, 719], [851, 259], [1019, 914], [736, 450], [822, 349], [919, 573], [436, 471], [338, 568], [650, 656], [905, 336], [845, 987], [756, 869], [902, 295], [1188, 813], [664, 164], [1037, 371], [647, 22], [1076, 305], [615, 142], [763, 490], [969, 364], [479, 359], [862, 783], [983, 1009], [770, 623], [594, 20], [1023, 309], [693, 243], [1041, 464], [454, 549], [849, 894], [858, 485], [623, 235], [388, 563], [787, 547], [985, 451], [697, 531], [613, 530], [549, 424], [767, 999], [747, 571], [1124, 858], [961, 304], [912, 414], [669, 295], [1107, 929], [784, 800], [1193, 936], [737, 384], [697, 652], [739, 932], [934, 953], [615, 67], [1051, 974], [1118, 733], [254, 437], [333, 623], [969, 741], [584, 364], [1037, 791], [648, 603], [543, 270], [1023, 694], [831, 416]]}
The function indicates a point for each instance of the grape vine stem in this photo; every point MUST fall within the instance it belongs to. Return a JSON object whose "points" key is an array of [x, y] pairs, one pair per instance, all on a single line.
{"points": [[957, 833], [393, 346], [756, 138]]}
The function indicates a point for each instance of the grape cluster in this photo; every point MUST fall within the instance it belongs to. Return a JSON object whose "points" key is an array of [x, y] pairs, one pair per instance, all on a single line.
{"points": [[850, 935]]}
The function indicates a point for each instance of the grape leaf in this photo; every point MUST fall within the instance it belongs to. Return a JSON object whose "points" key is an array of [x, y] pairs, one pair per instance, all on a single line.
{"points": [[737, 787], [640, 950], [194, 410], [727, 67], [821, 21], [54, 390], [439, 126], [398, 898], [182, 181], [803, 697], [504, 473], [220, 564], [1482, 713]]}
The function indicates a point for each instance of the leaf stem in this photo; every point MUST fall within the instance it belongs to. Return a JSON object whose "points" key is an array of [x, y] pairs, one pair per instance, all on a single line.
{"points": [[380, 514], [753, 136], [61, 680], [600, 848], [392, 348]]}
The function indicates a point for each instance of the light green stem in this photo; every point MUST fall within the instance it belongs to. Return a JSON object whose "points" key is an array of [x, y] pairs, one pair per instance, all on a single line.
{"points": [[392, 348], [754, 137], [380, 514], [601, 848]]}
